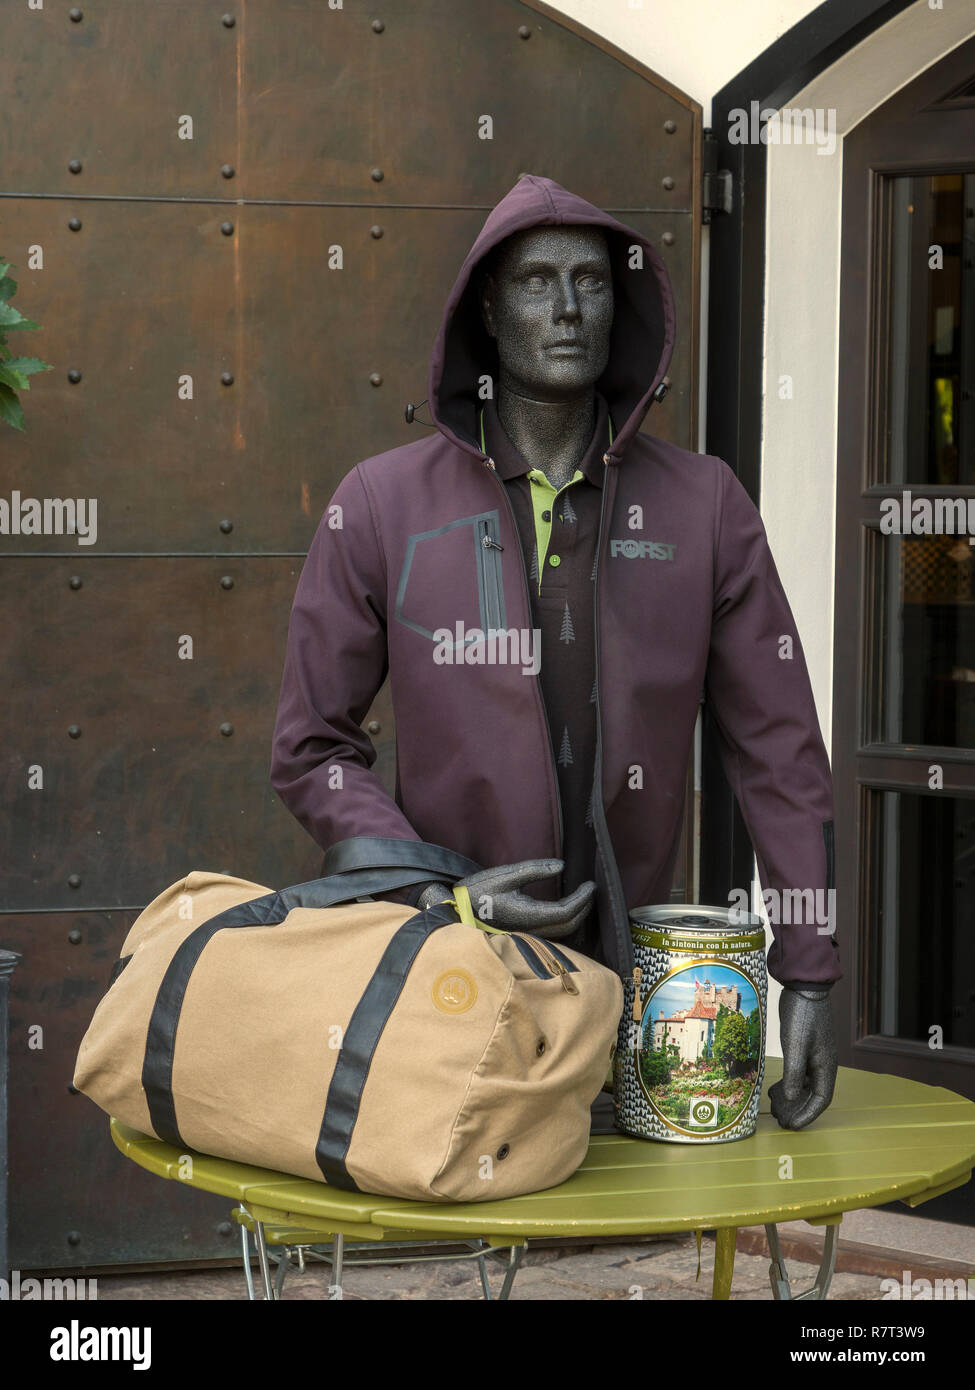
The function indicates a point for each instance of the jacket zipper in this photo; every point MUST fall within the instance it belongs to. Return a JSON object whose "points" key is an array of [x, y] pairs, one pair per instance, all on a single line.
{"points": [[614, 886], [548, 730], [491, 569]]}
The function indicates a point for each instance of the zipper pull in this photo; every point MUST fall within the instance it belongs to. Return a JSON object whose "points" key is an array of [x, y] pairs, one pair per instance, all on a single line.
{"points": [[568, 984], [637, 1001], [554, 964], [488, 541]]}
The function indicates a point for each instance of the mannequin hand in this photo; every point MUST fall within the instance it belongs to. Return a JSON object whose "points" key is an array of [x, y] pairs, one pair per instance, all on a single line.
{"points": [[495, 899], [809, 1058]]}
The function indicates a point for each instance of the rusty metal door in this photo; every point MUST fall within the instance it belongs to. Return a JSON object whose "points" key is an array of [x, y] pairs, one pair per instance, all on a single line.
{"points": [[237, 229]]}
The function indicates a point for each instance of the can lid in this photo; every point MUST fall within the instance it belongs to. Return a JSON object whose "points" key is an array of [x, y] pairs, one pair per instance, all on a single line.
{"points": [[696, 916]]}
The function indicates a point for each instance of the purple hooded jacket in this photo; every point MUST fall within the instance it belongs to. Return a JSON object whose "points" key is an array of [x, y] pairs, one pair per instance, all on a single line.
{"points": [[688, 604]]}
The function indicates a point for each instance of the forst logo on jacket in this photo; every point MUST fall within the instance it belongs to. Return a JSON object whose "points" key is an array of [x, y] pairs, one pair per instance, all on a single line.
{"points": [[637, 550]]}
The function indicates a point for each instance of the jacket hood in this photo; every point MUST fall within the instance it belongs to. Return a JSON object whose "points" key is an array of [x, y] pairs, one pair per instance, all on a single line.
{"points": [[642, 338]]}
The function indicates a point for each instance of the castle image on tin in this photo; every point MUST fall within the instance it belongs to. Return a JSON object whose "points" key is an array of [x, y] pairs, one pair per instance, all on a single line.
{"points": [[692, 1030]]}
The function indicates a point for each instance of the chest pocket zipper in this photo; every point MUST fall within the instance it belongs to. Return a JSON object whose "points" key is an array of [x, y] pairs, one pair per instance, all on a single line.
{"points": [[489, 565]]}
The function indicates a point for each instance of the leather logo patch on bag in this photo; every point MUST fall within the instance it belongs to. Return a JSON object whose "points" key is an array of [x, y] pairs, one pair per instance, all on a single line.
{"points": [[454, 991]]}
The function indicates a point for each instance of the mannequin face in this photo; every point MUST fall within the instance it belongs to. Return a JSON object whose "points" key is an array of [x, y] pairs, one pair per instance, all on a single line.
{"points": [[548, 302]]}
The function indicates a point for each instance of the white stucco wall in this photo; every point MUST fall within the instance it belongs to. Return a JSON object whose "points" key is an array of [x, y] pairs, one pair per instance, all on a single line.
{"points": [[698, 45]]}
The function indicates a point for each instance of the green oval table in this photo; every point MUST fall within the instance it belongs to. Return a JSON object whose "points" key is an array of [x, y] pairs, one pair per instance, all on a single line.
{"points": [[882, 1139]]}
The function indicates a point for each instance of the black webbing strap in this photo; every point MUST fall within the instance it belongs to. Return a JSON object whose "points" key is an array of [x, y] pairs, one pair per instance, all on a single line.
{"points": [[361, 1038], [375, 851]]}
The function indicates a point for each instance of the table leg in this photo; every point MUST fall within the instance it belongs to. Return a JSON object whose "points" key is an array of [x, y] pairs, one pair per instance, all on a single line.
{"points": [[779, 1275], [262, 1259], [338, 1254], [724, 1261], [246, 1252], [514, 1261]]}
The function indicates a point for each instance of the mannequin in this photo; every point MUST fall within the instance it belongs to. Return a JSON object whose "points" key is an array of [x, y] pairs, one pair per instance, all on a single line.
{"points": [[546, 299]]}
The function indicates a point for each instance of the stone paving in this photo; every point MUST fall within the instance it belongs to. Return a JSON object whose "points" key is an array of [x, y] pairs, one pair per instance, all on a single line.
{"points": [[654, 1269]]}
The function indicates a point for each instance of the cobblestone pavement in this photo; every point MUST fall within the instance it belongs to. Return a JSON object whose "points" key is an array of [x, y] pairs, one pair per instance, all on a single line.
{"points": [[659, 1269]]}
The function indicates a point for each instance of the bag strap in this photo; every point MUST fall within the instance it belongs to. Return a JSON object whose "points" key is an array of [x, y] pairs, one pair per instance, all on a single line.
{"points": [[395, 856]]}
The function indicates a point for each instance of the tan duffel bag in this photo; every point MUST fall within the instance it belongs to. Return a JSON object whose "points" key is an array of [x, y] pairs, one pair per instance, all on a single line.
{"points": [[361, 1043]]}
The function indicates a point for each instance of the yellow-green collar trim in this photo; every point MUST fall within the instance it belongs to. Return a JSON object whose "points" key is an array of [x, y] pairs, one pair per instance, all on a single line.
{"points": [[543, 495]]}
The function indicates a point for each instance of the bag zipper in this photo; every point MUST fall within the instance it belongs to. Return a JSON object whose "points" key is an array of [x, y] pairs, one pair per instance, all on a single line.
{"points": [[552, 961]]}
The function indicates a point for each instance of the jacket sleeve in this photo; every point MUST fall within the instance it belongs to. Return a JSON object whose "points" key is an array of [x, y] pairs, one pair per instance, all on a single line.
{"points": [[335, 662], [759, 693]]}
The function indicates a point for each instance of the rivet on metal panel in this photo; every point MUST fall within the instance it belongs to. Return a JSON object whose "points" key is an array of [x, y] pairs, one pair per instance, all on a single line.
{"points": [[74, 1237], [74, 880], [74, 166], [226, 730], [226, 527], [378, 26], [668, 238], [670, 127], [227, 170], [74, 582], [74, 376], [74, 731], [74, 224], [228, 21], [227, 378], [375, 379], [226, 582], [667, 182], [375, 233], [376, 175], [75, 15], [373, 727], [74, 936], [524, 32], [227, 228]]}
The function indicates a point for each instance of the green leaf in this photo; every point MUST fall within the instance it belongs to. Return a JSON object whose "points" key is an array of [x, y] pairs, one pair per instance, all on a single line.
{"points": [[8, 287], [10, 408], [4, 267], [28, 366], [13, 318], [17, 380]]}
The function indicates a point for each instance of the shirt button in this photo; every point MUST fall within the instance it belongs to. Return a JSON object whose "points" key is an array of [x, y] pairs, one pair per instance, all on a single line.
{"points": [[546, 516], [554, 560]]}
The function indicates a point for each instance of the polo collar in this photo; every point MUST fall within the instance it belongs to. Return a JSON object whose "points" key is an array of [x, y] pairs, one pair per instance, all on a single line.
{"points": [[509, 463]]}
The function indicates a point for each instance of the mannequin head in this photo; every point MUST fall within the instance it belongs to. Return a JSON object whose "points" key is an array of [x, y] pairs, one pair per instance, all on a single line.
{"points": [[546, 297]]}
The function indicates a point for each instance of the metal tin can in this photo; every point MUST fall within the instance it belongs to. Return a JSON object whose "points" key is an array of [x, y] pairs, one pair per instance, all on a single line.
{"points": [[690, 1057]]}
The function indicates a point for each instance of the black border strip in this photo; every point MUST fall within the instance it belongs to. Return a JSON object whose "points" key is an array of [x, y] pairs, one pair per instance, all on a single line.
{"points": [[361, 1039]]}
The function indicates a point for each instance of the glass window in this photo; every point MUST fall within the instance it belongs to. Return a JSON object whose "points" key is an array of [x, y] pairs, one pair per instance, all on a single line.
{"points": [[922, 943]]}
